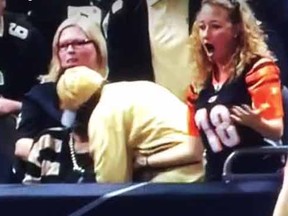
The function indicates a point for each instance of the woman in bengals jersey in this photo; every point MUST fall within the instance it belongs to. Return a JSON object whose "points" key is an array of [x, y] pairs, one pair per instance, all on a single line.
{"points": [[235, 100]]}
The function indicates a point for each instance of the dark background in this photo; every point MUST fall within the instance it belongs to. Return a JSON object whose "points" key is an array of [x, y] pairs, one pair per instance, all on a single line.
{"points": [[128, 40]]}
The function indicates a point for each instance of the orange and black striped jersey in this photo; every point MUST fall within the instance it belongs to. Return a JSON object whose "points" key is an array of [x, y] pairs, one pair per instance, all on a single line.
{"points": [[264, 87], [209, 112]]}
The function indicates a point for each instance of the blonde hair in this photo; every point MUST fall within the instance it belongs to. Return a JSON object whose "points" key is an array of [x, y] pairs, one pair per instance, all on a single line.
{"points": [[251, 42], [93, 32]]}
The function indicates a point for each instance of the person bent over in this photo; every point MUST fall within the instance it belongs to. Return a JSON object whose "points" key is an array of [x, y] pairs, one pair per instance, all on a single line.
{"points": [[133, 127]]}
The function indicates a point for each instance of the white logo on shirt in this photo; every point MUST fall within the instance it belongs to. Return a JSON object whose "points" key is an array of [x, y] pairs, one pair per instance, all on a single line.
{"points": [[18, 31]]}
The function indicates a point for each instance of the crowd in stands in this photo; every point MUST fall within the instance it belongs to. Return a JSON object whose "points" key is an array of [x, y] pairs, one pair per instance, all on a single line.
{"points": [[130, 90]]}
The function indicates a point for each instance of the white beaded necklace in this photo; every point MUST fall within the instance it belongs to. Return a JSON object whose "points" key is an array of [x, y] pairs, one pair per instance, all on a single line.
{"points": [[76, 167]]}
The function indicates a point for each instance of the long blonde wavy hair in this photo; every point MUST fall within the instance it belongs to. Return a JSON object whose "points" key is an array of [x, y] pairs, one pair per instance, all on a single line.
{"points": [[251, 42], [93, 32]]}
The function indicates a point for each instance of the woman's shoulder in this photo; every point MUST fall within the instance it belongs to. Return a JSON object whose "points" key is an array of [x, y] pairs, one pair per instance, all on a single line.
{"points": [[263, 60], [43, 87], [261, 64], [42, 91], [264, 70]]}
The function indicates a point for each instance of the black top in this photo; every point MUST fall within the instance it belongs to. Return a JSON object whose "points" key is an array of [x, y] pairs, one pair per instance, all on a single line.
{"points": [[40, 110]]}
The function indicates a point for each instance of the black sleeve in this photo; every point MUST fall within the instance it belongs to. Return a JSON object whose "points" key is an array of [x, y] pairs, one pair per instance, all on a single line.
{"points": [[39, 110], [29, 119]]}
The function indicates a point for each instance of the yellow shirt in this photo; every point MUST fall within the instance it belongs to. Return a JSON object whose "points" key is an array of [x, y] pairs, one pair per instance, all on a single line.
{"points": [[169, 33], [137, 117]]}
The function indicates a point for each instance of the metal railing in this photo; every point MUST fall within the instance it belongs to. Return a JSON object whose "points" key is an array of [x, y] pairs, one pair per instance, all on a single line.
{"points": [[228, 174]]}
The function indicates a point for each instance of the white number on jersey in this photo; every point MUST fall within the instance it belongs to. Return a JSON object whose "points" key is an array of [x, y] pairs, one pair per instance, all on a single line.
{"points": [[224, 132]]}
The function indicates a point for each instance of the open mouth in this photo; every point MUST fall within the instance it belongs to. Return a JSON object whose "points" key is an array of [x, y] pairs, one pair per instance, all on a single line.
{"points": [[71, 60], [209, 48]]}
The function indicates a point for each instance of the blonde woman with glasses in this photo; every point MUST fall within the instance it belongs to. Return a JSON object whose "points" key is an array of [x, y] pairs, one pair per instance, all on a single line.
{"points": [[78, 41]]}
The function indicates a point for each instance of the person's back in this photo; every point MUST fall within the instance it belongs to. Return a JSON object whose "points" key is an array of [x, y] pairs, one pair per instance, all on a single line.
{"points": [[145, 106], [130, 119], [138, 118], [138, 105]]}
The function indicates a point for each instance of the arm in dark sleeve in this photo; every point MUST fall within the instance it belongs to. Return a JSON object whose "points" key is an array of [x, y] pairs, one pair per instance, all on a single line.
{"points": [[39, 110], [29, 124]]}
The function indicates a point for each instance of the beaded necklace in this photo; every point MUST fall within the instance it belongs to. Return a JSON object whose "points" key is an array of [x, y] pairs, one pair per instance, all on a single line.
{"points": [[76, 167]]}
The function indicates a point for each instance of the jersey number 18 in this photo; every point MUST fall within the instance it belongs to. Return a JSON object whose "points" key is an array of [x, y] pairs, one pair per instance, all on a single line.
{"points": [[217, 127]]}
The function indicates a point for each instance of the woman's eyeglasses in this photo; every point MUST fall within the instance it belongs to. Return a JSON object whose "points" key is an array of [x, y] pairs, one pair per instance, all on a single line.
{"points": [[74, 44]]}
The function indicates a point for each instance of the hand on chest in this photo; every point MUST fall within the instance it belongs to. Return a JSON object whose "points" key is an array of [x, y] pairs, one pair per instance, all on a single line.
{"points": [[213, 114]]}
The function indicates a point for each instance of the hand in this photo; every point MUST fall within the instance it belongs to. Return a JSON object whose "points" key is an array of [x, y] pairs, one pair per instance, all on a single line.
{"points": [[81, 145], [140, 161], [245, 115]]}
